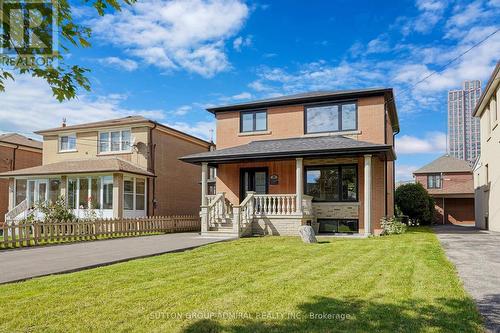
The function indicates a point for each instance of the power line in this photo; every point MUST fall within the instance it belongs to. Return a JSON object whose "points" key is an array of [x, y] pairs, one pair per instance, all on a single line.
{"points": [[442, 68]]}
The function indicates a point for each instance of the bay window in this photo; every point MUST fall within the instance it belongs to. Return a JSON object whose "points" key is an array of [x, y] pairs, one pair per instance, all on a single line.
{"points": [[114, 141], [331, 118], [332, 183]]}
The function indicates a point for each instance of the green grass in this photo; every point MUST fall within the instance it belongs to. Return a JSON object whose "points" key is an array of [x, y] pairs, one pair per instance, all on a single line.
{"points": [[386, 284]]}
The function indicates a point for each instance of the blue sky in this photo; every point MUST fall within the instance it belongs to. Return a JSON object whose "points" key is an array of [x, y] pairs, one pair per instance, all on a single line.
{"points": [[168, 60]]}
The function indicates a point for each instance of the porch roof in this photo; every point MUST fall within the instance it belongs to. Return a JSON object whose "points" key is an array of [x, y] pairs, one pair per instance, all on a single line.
{"points": [[89, 165], [292, 147]]}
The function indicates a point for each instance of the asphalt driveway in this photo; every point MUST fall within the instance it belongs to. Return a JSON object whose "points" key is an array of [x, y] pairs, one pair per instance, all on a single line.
{"points": [[21, 264], [476, 254]]}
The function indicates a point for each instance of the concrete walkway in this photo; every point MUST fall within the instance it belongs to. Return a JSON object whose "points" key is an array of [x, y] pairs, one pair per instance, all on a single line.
{"points": [[475, 253], [21, 264]]}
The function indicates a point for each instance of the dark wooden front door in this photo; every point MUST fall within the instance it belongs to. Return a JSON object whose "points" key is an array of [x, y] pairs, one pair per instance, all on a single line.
{"points": [[254, 180]]}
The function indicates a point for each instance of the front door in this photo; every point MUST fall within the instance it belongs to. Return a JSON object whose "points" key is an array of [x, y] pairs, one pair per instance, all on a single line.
{"points": [[254, 180]]}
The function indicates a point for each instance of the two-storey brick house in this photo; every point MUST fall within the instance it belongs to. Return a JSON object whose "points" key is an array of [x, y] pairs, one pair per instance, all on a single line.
{"points": [[16, 152], [325, 158], [126, 167], [449, 181]]}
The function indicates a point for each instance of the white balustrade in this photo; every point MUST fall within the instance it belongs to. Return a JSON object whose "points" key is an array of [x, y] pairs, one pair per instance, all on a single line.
{"points": [[275, 204]]}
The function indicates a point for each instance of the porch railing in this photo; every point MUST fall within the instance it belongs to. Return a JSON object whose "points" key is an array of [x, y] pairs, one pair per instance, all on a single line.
{"points": [[275, 204], [246, 214], [219, 209], [14, 213]]}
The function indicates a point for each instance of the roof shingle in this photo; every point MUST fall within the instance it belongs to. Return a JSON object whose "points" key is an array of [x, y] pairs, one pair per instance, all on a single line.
{"points": [[445, 163], [90, 165], [293, 147], [18, 139]]}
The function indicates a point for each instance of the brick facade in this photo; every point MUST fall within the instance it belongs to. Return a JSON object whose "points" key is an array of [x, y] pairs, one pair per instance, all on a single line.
{"points": [[454, 200], [13, 157]]}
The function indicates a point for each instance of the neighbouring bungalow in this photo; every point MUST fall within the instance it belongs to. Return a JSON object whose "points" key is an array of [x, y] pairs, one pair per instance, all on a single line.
{"points": [[16, 152], [320, 158], [125, 167], [449, 181]]}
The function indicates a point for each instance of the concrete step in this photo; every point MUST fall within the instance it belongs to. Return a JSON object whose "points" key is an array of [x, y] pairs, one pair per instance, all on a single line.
{"points": [[219, 234]]}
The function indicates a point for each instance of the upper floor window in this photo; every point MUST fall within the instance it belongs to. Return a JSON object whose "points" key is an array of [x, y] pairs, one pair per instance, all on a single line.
{"points": [[67, 142], [114, 141], [331, 118], [434, 181], [252, 121]]}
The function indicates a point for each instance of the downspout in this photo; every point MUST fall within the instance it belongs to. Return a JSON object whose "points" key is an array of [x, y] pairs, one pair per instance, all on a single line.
{"points": [[13, 164], [385, 162], [152, 151]]}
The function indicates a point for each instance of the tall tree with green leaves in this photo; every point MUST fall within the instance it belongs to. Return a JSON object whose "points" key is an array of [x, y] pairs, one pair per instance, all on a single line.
{"points": [[64, 79]]}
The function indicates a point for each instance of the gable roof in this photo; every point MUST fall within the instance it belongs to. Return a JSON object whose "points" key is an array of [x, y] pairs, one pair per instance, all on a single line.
{"points": [[288, 148], [317, 97], [18, 139], [445, 163], [88, 165], [125, 121], [487, 92]]}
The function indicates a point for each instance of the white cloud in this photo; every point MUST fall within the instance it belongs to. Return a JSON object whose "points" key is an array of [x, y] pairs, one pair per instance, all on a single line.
{"points": [[126, 64], [178, 34], [378, 45], [404, 172], [202, 129], [434, 142], [31, 98], [430, 13], [182, 110], [243, 95], [241, 42]]}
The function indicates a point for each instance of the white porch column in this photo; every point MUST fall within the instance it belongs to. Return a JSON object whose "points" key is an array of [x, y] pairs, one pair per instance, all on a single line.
{"points": [[204, 183], [117, 195], [368, 194], [12, 197], [299, 182]]}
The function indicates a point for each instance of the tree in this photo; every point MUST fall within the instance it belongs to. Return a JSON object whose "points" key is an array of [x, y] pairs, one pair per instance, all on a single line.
{"points": [[414, 201], [44, 62]]}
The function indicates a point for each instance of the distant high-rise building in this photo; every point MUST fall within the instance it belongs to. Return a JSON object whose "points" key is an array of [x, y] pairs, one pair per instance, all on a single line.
{"points": [[463, 129]]}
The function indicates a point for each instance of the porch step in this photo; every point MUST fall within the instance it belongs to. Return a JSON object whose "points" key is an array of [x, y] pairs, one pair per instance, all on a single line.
{"points": [[219, 234]]}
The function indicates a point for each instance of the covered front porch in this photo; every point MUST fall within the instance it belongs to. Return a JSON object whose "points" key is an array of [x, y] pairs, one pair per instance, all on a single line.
{"points": [[337, 192], [85, 189]]}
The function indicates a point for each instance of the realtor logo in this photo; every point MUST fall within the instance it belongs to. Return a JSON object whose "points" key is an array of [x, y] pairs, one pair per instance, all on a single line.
{"points": [[28, 28]]}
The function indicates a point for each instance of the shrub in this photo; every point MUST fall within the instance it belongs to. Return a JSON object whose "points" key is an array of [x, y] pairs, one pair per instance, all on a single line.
{"points": [[414, 200], [55, 211], [392, 226]]}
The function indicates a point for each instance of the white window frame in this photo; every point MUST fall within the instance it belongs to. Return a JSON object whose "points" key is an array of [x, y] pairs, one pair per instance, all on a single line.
{"points": [[134, 180], [77, 208], [59, 143], [108, 132]]}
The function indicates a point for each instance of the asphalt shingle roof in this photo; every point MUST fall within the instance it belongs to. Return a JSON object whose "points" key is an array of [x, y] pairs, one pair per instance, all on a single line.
{"points": [[89, 165], [445, 163], [18, 139], [293, 147]]}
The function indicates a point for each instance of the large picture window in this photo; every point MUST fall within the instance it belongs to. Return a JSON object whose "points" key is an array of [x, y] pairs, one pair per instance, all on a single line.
{"points": [[253, 121], [90, 192], [114, 141], [331, 118], [332, 183]]}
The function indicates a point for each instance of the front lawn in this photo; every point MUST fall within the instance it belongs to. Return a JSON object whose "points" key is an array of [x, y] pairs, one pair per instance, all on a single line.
{"points": [[273, 284]]}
